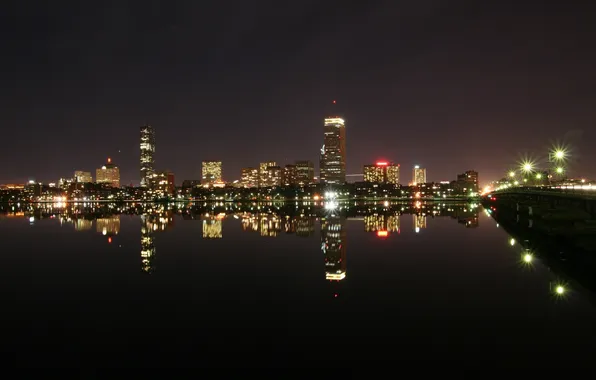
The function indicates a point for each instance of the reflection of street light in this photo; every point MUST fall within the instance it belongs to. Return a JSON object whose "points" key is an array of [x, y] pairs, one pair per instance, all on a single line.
{"points": [[528, 258]]}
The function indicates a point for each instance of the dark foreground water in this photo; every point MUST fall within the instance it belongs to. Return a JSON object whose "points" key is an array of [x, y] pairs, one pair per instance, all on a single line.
{"points": [[267, 286]]}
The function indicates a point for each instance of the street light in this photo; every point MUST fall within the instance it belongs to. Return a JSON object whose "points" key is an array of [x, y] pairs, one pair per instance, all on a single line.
{"points": [[512, 174], [559, 170]]}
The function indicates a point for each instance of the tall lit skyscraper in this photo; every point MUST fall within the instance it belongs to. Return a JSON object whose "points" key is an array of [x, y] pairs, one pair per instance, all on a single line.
{"points": [[147, 155], [249, 177], [109, 174], [264, 173], [211, 172], [333, 152], [418, 175]]}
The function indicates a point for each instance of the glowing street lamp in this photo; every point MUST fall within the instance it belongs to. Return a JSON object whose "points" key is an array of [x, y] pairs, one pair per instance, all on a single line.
{"points": [[559, 170], [512, 174], [538, 175], [527, 167]]}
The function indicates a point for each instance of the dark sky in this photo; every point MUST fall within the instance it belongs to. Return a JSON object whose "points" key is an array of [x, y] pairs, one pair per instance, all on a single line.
{"points": [[450, 85]]}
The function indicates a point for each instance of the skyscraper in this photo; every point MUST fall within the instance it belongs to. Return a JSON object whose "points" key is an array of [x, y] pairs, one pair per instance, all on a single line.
{"points": [[147, 155], [109, 173], [264, 172], [249, 177], [381, 172], [418, 175], [211, 172], [305, 172], [290, 174], [82, 177], [333, 152]]}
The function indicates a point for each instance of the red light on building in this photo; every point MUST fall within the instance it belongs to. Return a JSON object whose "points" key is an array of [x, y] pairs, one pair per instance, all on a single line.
{"points": [[382, 233], [109, 160], [382, 163]]}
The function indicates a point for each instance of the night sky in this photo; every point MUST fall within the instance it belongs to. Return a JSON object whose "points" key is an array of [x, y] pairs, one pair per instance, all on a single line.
{"points": [[449, 85]]}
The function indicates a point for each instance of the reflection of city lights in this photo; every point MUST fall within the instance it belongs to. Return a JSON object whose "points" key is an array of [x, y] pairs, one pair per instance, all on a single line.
{"points": [[109, 240], [512, 242], [330, 205], [104, 231], [528, 258], [382, 233], [31, 219], [417, 229]]}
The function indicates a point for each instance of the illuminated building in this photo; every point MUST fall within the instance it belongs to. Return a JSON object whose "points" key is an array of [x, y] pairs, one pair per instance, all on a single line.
{"points": [[374, 173], [274, 176], [393, 222], [392, 174], [147, 155], [333, 245], [467, 182], [333, 152], [263, 172], [418, 175], [147, 243], [163, 183], [305, 172], [108, 226], [249, 177], [211, 172], [289, 177], [109, 174], [374, 222], [82, 177], [381, 172], [212, 229]]}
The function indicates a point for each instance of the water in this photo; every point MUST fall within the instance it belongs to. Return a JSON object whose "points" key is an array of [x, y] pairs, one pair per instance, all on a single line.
{"points": [[282, 285]]}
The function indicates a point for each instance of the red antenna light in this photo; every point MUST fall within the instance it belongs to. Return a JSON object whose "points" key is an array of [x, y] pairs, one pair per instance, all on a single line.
{"points": [[334, 102]]}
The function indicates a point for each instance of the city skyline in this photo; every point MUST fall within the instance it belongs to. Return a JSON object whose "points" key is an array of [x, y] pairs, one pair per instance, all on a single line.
{"points": [[439, 85]]}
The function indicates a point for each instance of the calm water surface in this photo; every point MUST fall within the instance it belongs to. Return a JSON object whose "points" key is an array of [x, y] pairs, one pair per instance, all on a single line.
{"points": [[294, 285]]}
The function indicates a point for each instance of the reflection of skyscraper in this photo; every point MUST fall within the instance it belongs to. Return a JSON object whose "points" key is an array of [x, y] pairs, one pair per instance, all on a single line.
{"points": [[83, 224], [419, 222], [270, 225], [333, 245], [147, 243], [108, 226], [393, 223], [305, 226], [212, 229]]}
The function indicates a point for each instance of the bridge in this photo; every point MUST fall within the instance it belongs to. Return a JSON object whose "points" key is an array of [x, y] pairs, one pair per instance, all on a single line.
{"points": [[574, 205]]}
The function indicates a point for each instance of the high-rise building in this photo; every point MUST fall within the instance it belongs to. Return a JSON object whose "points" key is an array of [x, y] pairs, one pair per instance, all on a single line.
{"points": [[467, 182], [305, 172], [249, 177], [109, 174], [263, 172], [274, 176], [333, 152], [290, 175], [147, 155], [374, 173], [381, 172], [392, 174], [163, 183], [418, 175], [211, 172], [82, 177], [333, 245]]}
